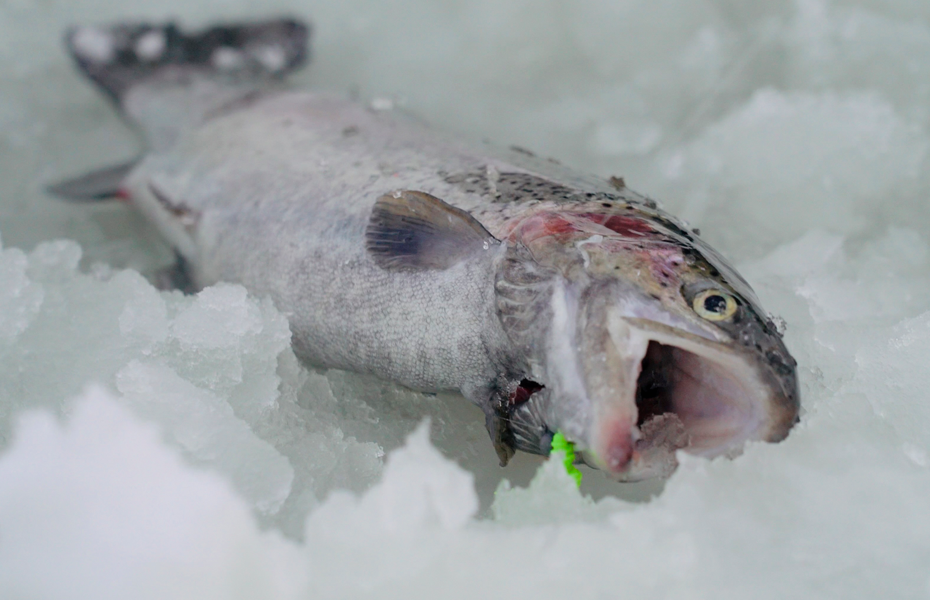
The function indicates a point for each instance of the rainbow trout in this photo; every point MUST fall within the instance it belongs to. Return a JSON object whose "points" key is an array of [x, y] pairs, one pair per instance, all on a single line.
{"points": [[553, 300]]}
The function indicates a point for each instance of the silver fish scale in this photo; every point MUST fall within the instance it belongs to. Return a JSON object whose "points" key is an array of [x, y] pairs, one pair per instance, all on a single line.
{"points": [[284, 196]]}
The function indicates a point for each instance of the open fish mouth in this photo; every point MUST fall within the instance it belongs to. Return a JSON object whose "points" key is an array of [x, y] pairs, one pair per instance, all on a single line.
{"points": [[692, 394], [717, 410]]}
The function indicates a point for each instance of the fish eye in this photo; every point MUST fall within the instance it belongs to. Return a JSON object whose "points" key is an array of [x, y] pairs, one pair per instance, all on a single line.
{"points": [[714, 305]]}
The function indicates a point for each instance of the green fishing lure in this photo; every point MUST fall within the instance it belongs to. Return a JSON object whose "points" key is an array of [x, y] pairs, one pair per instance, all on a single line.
{"points": [[568, 448]]}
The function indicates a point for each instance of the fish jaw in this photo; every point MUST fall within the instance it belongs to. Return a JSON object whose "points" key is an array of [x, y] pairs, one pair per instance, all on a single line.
{"points": [[593, 366], [638, 390]]}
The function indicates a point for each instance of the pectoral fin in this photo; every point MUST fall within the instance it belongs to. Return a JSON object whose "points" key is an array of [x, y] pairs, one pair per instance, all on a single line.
{"points": [[175, 277], [102, 184], [501, 437], [412, 231]]}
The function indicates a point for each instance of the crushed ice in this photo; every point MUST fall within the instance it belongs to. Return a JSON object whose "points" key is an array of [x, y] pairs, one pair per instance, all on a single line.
{"points": [[207, 463]]}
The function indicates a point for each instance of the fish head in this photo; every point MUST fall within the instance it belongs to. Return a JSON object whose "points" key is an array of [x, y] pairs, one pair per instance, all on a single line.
{"points": [[643, 339]]}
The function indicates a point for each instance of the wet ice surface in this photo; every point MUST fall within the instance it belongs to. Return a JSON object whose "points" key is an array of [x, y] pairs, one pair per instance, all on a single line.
{"points": [[210, 464]]}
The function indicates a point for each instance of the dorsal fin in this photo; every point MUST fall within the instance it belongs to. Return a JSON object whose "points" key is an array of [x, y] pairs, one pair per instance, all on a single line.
{"points": [[411, 231]]}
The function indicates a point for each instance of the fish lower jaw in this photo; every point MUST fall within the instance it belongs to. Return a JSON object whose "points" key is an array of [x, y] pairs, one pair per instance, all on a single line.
{"points": [[692, 395]]}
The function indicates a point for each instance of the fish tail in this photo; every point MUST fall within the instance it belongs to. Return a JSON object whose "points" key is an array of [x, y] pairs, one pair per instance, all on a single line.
{"points": [[181, 78], [120, 56]]}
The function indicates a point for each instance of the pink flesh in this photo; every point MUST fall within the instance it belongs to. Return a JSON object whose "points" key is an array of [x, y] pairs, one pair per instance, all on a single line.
{"points": [[615, 443], [563, 227], [714, 406], [718, 410], [634, 236]]}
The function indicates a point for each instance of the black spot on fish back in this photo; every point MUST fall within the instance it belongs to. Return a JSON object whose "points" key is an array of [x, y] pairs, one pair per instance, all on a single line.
{"points": [[524, 187]]}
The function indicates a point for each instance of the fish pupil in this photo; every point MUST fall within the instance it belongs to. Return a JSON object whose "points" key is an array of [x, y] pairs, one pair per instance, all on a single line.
{"points": [[715, 304]]}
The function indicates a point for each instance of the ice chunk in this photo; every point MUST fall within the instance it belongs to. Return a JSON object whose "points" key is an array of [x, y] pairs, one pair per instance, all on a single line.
{"points": [[94, 44], [100, 508], [206, 368], [20, 298], [150, 46], [205, 426], [813, 253], [829, 157], [892, 373], [145, 315], [421, 489], [196, 326], [551, 497], [844, 45]]}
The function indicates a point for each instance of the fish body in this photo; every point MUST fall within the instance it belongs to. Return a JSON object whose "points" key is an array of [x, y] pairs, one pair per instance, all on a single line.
{"points": [[553, 300]]}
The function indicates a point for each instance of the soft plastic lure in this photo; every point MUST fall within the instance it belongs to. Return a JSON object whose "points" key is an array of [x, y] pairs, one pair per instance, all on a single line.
{"points": [[568, 448]]}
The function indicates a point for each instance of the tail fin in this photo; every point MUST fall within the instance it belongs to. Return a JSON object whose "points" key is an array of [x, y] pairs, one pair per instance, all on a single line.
{"points": [[119, 56], [194, 73]]}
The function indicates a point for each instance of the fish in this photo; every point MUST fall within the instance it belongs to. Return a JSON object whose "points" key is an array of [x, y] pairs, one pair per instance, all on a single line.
{"points": [[554, 300]]}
